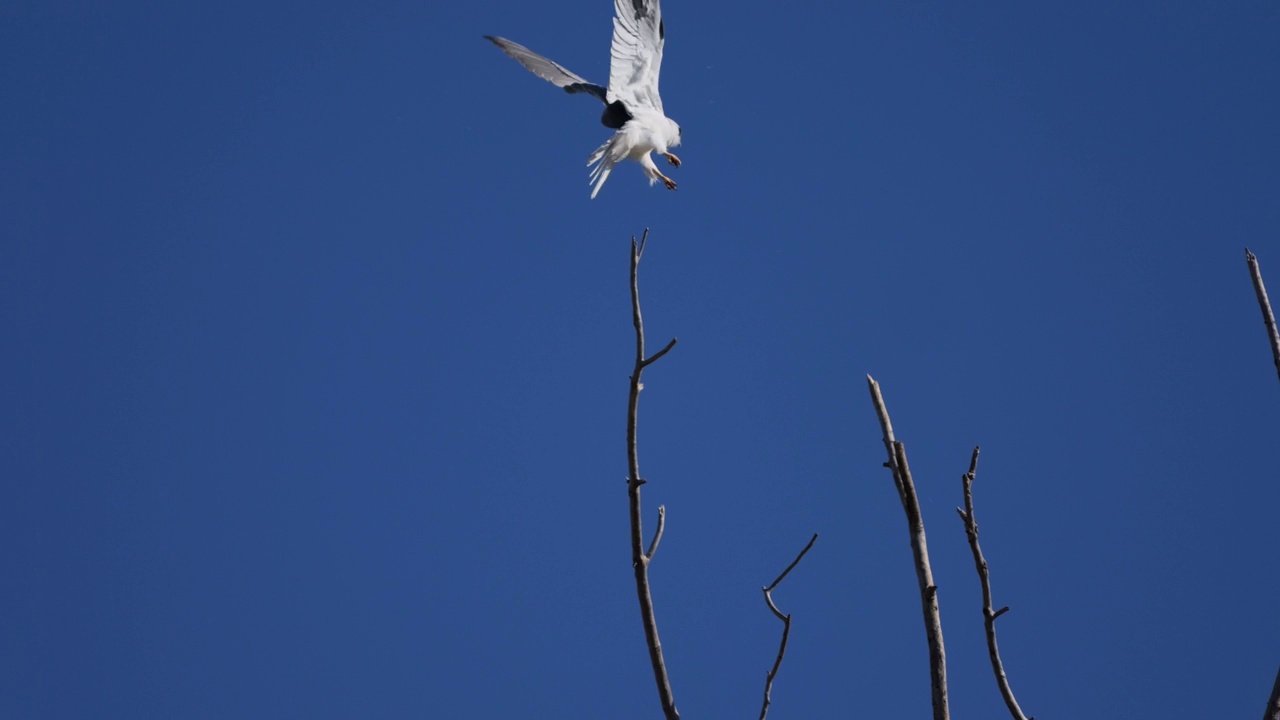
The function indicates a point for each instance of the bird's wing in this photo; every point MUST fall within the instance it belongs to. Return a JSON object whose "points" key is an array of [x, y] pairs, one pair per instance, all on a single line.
{"points": [[636, 54], [549, 70]]}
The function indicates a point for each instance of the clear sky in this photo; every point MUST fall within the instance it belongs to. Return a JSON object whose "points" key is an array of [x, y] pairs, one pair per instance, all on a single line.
{"points": [[316, 354]]}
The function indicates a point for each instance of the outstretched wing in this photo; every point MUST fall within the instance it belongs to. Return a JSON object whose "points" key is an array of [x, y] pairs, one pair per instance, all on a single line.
{"points": [[636, 54], [549, 70]]}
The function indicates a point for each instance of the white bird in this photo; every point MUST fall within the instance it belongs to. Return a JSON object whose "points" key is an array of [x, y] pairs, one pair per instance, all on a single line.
{"points": [[632, 105]]}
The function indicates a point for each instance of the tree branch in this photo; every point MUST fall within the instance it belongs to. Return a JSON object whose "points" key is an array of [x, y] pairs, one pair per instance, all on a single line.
{"points": [[639, 558], [989, 614], [786, 627], [657, 534], [1273, 704], [1268, 318], [920, 549]]}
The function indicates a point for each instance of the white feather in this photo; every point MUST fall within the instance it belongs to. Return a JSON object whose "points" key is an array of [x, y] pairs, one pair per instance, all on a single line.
{"points": [[636, 59]]}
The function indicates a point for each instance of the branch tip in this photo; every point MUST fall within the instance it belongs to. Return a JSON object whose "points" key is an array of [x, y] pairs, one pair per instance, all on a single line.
{"points": [[657, 535], [654, 358], [795, 562], [1264, 304], [644, 237]]}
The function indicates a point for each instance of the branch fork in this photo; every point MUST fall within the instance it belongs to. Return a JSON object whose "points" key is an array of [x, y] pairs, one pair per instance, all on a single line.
{"points": [[786, 627], [640, 558]]}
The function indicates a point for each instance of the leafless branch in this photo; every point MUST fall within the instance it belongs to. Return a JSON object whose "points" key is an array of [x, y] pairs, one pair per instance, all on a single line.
{"points": [[639, 558], [786, 626], [920, 549], [1268, 318], [658, 354], [989, 614], [657, 534], [1273, 704]]}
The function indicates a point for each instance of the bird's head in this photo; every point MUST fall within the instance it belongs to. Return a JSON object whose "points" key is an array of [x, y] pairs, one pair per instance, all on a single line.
{"points": [[673, 133]]}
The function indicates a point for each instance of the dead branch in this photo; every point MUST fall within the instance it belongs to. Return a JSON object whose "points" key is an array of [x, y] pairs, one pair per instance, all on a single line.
{"points": [[639, 558], [1268, 318], [920, 549], [989, 614], [786, 627], [1273, 704], [657, 534]]}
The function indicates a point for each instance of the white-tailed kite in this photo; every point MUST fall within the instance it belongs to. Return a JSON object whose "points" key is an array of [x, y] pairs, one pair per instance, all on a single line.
{"points": [[631, 102]]}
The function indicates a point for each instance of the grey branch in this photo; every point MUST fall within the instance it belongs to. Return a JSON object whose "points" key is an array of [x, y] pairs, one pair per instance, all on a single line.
{"points": [[1273, 705], [920, 549], [1268, 318], [989, 614], [639, 558], [786, 627], [657, 534]]}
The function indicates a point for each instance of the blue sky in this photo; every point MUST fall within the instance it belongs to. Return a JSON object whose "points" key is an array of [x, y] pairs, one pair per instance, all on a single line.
{"points": [[315, 375]]}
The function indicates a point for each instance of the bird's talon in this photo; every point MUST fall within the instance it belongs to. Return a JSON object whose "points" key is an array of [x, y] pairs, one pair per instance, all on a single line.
{"points": [[671, 184], [675, 161]]}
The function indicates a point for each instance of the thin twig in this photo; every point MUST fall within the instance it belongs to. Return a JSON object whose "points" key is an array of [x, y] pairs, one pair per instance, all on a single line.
{"points": [[639, 558], [792, 566], [920, 550], [659, 354], [1268, 318], [786, 627], [989, 614], [657, 534]]}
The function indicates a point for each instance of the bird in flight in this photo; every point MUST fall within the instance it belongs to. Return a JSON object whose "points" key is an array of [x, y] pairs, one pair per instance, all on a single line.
{"points": [[632, 105]]}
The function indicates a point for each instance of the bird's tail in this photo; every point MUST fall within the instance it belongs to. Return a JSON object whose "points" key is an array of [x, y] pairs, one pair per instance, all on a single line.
{"points": [[607, 155]]}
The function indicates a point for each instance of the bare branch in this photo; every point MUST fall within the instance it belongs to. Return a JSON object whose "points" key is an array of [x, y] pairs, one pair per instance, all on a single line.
{"points": [[793, 564], [984, 576], [660, 353], [657, 535], [1268, 318], [886, 427], [920, 550], [1273, 705], [786, 627], [639, 558]]}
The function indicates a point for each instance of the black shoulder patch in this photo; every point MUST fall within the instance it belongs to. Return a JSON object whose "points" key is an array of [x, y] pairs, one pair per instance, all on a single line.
{"points": [[615, 115], [662, 30]]}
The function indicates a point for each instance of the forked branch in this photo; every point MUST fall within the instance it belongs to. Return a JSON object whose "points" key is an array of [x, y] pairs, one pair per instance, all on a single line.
{"points": [[989, 614], [786, 627], [920, 550], [639, 558]]}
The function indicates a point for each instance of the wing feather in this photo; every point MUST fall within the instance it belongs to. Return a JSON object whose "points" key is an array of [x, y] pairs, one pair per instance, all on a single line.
{"points": [[636, 53], [547, 69]]}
